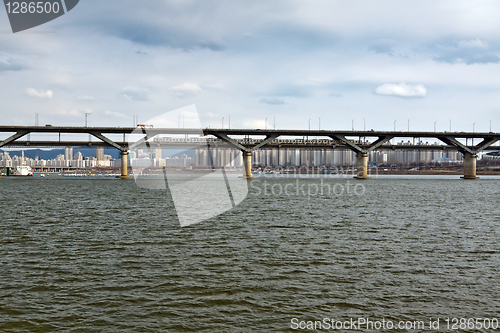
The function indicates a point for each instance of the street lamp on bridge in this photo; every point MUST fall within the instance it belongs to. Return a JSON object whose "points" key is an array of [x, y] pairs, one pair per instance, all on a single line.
{"points": [[86, 115]]}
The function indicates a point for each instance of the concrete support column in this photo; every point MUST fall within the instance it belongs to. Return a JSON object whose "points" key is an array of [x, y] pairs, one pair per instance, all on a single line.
{"points": [[124, 167], [362, 165], [247, 163], [470, 166]]}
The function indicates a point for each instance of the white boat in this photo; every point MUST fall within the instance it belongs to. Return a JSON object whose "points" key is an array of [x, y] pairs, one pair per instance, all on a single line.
{"points": [[22, 171]]}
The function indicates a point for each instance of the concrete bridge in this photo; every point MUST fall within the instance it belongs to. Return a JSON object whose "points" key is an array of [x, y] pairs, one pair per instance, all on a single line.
{"points": [[248, 140]]}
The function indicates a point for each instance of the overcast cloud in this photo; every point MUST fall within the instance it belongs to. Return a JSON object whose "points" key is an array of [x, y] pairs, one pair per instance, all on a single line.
{"points": [[293, 60], [402, 90]]}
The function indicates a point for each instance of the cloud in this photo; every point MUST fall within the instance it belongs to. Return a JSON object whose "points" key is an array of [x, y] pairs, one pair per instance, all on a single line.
{"points": [[383, 46], [255, 123], [40, 94], [135, 94], [156, 35], [187, 89], [269, 50], [272, 101], [475, 43], [116, 114], [299, 90], [86, 98], [470, 52], [11, 64], [402, 90], [182, 25], [299, 35], [69, 113]]}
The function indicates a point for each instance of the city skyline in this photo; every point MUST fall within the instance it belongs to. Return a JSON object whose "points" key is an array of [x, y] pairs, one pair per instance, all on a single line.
{"points": [[230, 157]]}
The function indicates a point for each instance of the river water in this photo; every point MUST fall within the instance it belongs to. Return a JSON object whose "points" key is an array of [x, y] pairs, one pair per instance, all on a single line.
{"points": [[103, 255]]}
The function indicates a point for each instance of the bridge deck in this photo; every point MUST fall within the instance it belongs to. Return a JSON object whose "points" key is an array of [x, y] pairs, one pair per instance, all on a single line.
{"points": [[250, 132]]}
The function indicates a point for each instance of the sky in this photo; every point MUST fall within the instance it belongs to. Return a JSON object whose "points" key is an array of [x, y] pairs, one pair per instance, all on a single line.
{"points": [[342, 64]]}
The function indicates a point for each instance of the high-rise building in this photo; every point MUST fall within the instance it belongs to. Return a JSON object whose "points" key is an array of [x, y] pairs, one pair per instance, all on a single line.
{"points": [[99, 153], [157, 153], [68, 155]]}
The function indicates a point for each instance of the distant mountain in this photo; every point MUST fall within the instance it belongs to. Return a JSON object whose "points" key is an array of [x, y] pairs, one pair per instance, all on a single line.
{"points": [[52, 153]]}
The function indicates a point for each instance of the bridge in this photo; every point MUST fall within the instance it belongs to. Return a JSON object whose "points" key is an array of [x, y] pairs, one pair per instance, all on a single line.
{"points": [[248, 140]]}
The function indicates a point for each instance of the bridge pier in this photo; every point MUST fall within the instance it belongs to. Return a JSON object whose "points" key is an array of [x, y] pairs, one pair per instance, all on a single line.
{"points": [[247, 163], [124, 166], [362, 165], [470, 166]]}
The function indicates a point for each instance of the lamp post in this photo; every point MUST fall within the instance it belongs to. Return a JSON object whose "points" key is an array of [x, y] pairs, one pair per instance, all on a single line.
{"points": [[185, 135], [473, 130], [394, 130], [408, 125], [309, 123], [352, 124], [364, 124], [435, 125], [490, 126], [222, 122], [36, 124], [319, 124], [266, 123], [86, 115]]}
